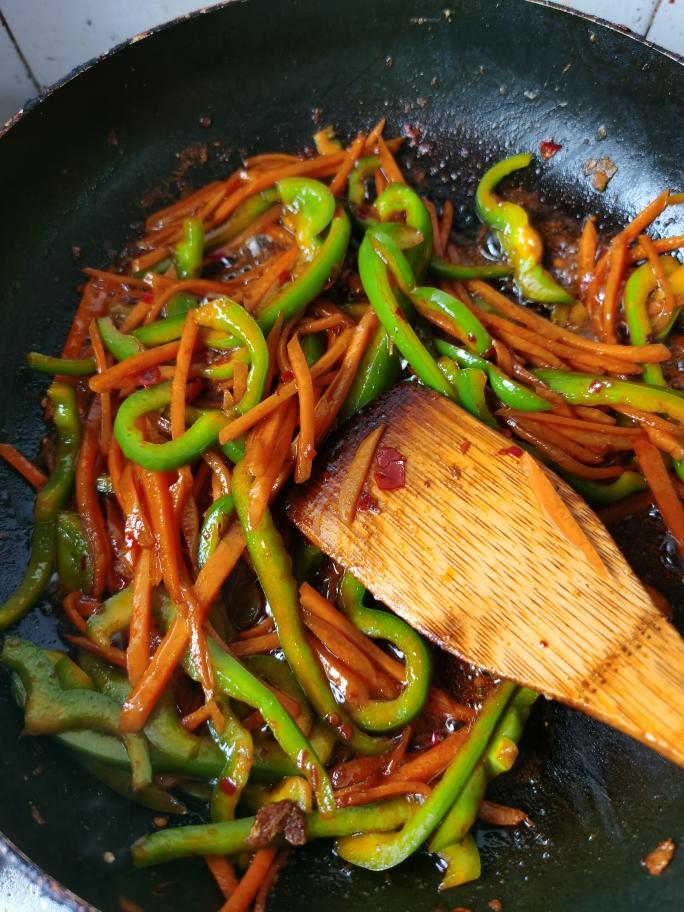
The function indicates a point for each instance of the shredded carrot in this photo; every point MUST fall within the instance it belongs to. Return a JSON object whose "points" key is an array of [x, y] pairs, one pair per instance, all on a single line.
{"points": [[640, 353], [500, 814], [447, 222], [388, 164], [89, 509], [93, 304], [180, 377], [182, 208], [223, 873], [256, 645], [269, 455], [161, 513], [220, 565], [352, 155], [305, 439], [616, 267], [109, 653], [559, 515], [436, 235], [660, 245], [105, 398], [114, 278], [194, 719], [24, 466], [356, 475], [550, 418], [269, 881], [352, 687], [265, 626], [663, 490], [586, 254], [277, 267], [242, 424], [239, 381], [151, 258], [353, 796], [648, 419], [565, 439], [120, 374], [218, 466], [560, 457], [246, 890], [432, 762], [669, 301], [69, 604], [138, 651]]}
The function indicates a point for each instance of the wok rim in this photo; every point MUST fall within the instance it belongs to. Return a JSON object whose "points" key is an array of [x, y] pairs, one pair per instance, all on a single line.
{"points": [[10, 854]]}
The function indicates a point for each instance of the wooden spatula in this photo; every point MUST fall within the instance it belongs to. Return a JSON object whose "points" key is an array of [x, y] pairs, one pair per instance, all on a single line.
{"points": [[467, 554]]}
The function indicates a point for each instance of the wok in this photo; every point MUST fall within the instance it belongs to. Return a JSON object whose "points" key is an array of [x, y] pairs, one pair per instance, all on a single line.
{"points": [[478, 78]]}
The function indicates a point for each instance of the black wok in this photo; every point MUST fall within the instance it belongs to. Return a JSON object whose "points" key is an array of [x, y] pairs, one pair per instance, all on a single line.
{"points": [[478, 78]]}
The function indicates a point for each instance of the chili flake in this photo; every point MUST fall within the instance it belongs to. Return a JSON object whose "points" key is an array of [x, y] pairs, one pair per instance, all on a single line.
{"points": [[366, 503], [514, 451], [548, 148], [390, 473]]}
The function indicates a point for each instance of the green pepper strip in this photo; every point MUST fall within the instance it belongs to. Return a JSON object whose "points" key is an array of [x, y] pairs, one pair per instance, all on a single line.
{"points": [[279, 674], [586, 389], [295, 296], [464, 324], [356, 185], [274, 569], [68, 367], [637, 290], [462, 273], [511, 393], [400, 198], [309, 206], [242, 218], [237, 682], [231, 837], [49, 501], [378, 252], [121, 345], [216, 521], [235, 743], [149, 796], [519, 240], [188, 254], [224, 370], [163, 728], [498, 758], [596, 492], [292, 788], [161, 331], [223, 314], [469, 383], [114, 617], [379, 369], [74, 563], [313, 346], [50, 709], [377, 851], [180, 304], [386, 715]]}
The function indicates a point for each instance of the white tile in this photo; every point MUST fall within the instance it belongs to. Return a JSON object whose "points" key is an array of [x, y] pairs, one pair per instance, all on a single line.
{"points": [[15, 85], [667, 29], [635, 14], [57, 35]]}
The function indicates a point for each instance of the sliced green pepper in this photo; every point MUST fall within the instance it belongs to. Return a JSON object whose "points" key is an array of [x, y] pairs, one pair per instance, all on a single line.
{"points": [[356, 184], [469, 384], [68, 367], [235, 743], [121, 345], [601, 493], [74, 563], [188, 254], [216, 521], [242, 218], [520, 242], [386, 715], [462, 273], [463, 322], [49, 501]]}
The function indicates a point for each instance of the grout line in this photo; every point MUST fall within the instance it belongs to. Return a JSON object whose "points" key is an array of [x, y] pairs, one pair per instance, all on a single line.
{"points": [[651, 18], [27, 66]]}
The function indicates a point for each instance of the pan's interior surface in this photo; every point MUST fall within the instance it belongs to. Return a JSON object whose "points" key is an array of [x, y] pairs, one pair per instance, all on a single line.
{"points": [[477, 79]]}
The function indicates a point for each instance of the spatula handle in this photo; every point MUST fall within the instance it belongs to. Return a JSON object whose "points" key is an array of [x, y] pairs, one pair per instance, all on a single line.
{"points": [[640, 689]]}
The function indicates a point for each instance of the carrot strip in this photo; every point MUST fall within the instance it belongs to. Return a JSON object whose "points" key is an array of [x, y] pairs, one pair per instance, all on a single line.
{"points": [[558, 514], [561, 458], [640, 353], [220, 470], [239, 381], [660, 245], [500, 814], [432, 762], [388, 164], [194, 719], [136, 315], [151, 258], [220, 565], [182, 207], [194, 286], [223, 873], [256, 645], [357, 472], [138, 651], [93, 304], [251, 881], [69, 604], [120, 374], [274, 271], [89, 509], [265, 626], [351, 686], [586, 254], [160, 510], [353, 796], [242, 424], [550, 418], [24, 466], [352, 154], [669, 301], [560, 439], [436, 234], [663, 490], [648, 419], [330, 403], [115, 278], [274, 444], [105, 398], [305, 438], [616, 266], [109, 653], [447, 222], [269, 881], [184, 353]]}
